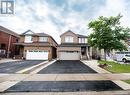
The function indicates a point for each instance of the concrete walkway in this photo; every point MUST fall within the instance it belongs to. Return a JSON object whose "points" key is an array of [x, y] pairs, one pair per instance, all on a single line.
{"points": [[62, 77]]}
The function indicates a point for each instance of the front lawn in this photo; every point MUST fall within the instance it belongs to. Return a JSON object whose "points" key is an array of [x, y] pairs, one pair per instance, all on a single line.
{"points": [[115, 67]]}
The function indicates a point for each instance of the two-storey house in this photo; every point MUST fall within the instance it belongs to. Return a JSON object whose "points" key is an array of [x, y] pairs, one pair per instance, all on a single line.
{"points": [[73, 47], [37, 46]]}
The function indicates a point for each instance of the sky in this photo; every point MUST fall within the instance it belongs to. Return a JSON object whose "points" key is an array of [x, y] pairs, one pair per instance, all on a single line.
{"points": [[55, 17]]}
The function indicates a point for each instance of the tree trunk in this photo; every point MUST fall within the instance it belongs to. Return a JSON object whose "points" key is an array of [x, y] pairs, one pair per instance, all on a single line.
{"points": [[105, 53]]}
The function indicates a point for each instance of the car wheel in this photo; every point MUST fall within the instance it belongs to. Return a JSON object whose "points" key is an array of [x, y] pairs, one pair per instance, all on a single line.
{"points": [[124, 60]]}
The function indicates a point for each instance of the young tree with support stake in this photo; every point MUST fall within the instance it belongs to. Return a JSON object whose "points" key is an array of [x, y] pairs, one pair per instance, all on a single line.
{"points": [[108, 34]]}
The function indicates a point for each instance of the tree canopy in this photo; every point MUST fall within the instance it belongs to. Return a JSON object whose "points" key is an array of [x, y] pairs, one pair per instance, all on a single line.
{"points": [[108, 34]]}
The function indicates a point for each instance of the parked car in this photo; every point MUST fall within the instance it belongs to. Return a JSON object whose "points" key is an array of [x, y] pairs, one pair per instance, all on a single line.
{"points": [[123, 56], [126, 58]]}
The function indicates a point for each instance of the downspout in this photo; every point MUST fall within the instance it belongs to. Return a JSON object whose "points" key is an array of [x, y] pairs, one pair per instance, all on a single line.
{"points": [[8, 50]]}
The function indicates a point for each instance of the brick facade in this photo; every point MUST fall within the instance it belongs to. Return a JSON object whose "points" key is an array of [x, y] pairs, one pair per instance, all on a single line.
{"points": [[50, 45], [7, 44]]}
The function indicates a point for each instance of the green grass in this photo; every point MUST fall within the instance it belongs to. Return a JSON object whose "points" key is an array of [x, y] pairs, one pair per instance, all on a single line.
{"points": [[116, 67]]}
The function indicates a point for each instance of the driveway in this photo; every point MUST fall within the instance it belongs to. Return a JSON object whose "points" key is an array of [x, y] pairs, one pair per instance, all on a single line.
{"points": [[69, 66], [12, 67], [63, 86]]}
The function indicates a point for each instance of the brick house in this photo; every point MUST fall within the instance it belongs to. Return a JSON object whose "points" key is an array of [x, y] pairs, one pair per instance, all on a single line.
{"points": [[37, 46], [73, 47], [7, 38]]}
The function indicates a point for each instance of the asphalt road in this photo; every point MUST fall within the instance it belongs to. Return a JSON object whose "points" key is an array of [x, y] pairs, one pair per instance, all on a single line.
{"points": [[63, 86], [61, 67], [12, 67]]}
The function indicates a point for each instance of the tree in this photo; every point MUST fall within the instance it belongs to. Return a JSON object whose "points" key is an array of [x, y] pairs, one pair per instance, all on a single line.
{"points": [[108, 34]]}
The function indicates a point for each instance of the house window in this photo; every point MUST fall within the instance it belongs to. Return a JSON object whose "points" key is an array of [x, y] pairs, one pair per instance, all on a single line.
{"points": [[69, 39], [28, 39], [82, 40], [86, 40], [42, 39]]}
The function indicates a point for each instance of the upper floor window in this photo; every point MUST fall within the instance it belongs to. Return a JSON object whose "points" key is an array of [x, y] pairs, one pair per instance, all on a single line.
{"points": [[69, 39], [42, 39], [82, 40], [28, 39]]}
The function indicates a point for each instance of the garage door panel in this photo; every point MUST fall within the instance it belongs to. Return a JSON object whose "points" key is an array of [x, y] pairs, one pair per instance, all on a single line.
{"points": [[69, 56], [36, 55]]}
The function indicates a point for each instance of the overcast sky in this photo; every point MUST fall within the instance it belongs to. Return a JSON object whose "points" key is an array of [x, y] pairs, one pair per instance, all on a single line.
{"points": [[54, 17]]}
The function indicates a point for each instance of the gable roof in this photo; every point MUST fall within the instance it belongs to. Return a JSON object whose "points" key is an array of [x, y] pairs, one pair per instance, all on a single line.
{"points": [[5, 30], [67, 32], [25, 33], [78, 35], [34, 34]]}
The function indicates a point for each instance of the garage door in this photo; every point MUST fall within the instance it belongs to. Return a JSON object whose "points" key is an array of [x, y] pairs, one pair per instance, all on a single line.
{"points": [[37, 55], [69, 55]]}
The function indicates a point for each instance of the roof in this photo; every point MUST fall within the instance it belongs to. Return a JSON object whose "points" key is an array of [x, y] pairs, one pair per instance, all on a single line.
{"points": [[33, 44], [5, 30], [81, 36], [78, 35], [24, 33], [41, 34], [35, 34], [73, 44], [67, 32]]}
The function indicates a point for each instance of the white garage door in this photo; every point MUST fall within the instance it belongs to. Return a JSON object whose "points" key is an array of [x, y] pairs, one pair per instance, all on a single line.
{"points": [[69, 55], [37, 55]]}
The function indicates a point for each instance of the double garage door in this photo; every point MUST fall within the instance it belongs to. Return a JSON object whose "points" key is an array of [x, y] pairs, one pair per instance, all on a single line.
{"points": [[37, 55], [69, 55]]}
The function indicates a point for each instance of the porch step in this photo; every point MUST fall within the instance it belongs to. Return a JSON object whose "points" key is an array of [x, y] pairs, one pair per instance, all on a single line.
{"points": [[84, 57]]}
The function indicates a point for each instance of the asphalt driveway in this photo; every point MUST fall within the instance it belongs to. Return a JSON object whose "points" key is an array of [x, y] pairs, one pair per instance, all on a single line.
{"points": [[12, 67], [67, 66], [63, 86]]}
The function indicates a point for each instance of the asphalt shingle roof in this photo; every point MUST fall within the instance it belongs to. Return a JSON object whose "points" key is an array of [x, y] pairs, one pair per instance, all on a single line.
{"points": [[35, 34]]}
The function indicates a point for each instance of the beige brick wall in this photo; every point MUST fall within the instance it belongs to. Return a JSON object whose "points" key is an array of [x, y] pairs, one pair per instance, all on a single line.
{"points": [[75, 38], [35, 38], [52, 42]]}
